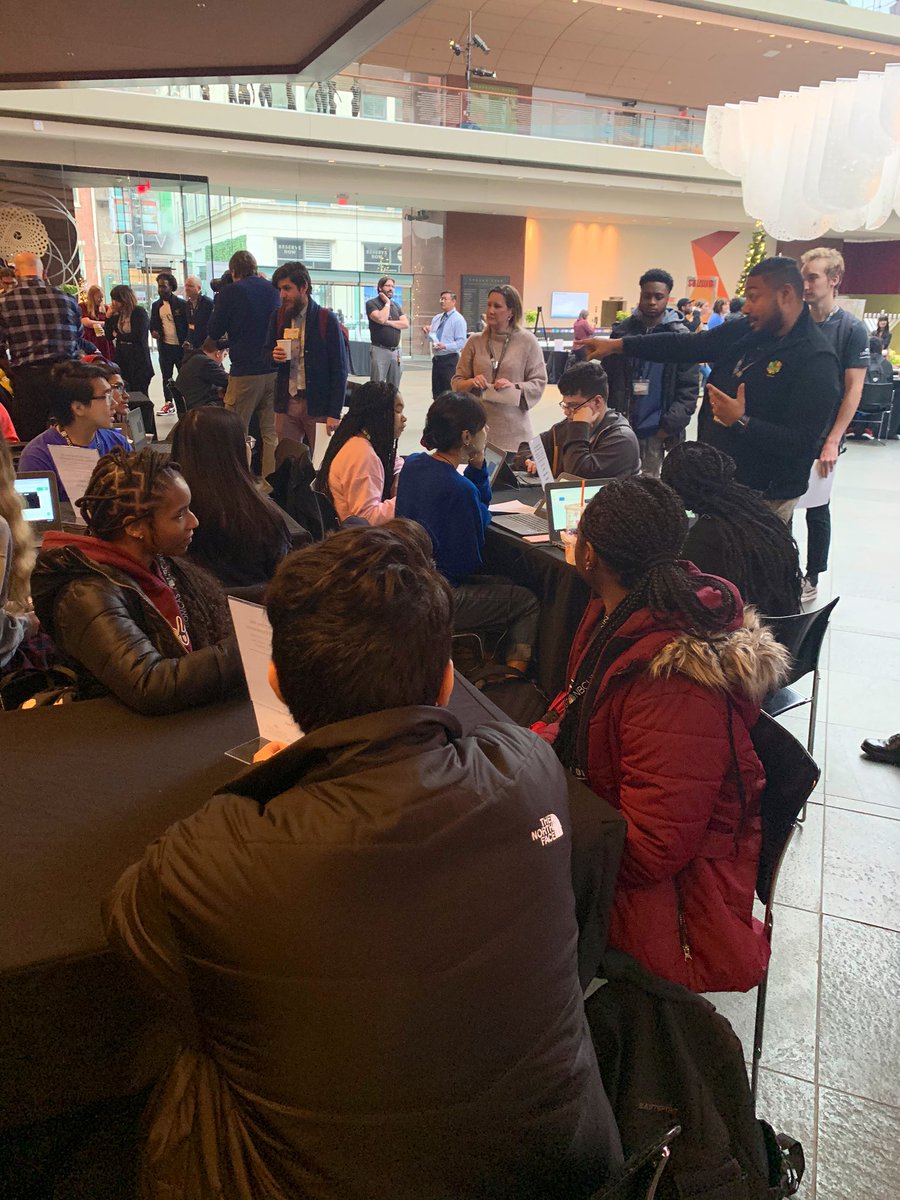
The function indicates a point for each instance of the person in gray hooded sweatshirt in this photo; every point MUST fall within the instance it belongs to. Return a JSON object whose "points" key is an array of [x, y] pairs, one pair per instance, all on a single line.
{"points": [[658, 398]]}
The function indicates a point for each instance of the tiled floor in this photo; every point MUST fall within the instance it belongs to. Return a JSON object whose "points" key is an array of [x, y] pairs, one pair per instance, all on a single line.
{"points": [[831, 1062]]}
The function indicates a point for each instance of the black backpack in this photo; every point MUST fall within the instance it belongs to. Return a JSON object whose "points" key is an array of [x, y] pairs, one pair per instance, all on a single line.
{"points": [[668, 1058], [513, 692]]}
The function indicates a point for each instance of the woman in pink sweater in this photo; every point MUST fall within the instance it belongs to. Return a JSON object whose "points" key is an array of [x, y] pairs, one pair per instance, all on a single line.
{"points": [[360, 468]]}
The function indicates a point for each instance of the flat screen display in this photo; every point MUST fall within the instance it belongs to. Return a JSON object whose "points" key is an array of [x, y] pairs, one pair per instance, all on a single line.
{"points": [[567, 304], [563, 494], [37, 494]]}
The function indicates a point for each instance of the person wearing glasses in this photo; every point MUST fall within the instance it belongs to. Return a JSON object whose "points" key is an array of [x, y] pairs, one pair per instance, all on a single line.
{"points": [[593, 441]]}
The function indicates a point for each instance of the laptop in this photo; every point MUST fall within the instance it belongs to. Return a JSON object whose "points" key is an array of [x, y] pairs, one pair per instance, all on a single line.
{"points": [[550, 515], [134, 424], [40, 497]]}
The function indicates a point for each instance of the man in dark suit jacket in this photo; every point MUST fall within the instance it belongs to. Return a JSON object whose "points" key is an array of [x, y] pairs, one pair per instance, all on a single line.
{"points": [[169, 325], [199, 310], [312, 379]]}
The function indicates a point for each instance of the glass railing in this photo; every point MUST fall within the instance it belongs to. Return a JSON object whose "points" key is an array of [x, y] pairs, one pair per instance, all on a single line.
{"points": [[492, 109], [892, 7]]}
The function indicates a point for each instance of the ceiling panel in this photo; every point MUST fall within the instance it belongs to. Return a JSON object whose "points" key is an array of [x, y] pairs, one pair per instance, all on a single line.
{"points": [[664, 54], [172, 41]]}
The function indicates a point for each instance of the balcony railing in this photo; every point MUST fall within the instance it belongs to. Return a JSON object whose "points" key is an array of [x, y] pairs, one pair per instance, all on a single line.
{"points": [[492, 110]]}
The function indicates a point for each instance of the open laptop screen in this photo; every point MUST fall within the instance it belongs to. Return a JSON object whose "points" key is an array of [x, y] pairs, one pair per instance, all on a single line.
{"points": [[40, 498], [558, 495]]}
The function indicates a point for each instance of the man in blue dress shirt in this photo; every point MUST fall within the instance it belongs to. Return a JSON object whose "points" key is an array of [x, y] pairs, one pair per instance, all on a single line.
{"points": [[448, 336]]}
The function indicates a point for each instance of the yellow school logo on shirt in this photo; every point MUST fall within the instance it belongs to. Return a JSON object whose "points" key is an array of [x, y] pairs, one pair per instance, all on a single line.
{"points": [[774, 367]]}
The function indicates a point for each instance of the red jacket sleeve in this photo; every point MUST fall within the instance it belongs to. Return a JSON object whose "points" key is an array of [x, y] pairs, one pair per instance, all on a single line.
{"points": [[674, 757]]}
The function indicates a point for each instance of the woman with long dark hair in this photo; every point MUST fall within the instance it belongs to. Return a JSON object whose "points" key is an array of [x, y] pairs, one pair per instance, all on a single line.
{"points": [[124, 606], [666, 678], [883, 331], [360, 468], [454, 510], [127, 328], [242, 535], [736, 535]]}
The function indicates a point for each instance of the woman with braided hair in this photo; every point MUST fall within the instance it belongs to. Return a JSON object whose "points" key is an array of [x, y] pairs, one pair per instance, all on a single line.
{"points": [[736, 536], [361, 465], [667, 674], [121, 603]]}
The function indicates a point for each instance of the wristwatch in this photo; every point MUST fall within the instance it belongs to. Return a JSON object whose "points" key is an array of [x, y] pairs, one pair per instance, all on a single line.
{"points": [[743, 421]]}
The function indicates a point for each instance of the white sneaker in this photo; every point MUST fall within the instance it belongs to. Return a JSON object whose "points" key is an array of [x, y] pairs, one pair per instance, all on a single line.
{"points": [[808, 592]]}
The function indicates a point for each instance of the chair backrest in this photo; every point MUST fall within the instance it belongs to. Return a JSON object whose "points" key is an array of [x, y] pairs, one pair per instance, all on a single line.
{"points": [[791, 775], [802, 634], [876, 397]]}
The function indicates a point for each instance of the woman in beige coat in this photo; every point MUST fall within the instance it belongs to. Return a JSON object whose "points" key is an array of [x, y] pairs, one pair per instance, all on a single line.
{"points": [[504, 367]]}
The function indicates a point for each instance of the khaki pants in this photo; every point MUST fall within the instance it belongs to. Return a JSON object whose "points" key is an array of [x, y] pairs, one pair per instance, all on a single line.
{"points": [[296, 423], [783, 508], [249, 394]]}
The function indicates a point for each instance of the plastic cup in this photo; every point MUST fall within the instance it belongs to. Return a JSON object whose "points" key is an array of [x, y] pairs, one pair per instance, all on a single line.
{"points": [[569, 532], [285, 344]]}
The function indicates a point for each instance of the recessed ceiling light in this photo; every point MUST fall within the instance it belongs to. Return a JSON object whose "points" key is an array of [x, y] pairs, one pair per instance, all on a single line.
{"points": [[806, 41], [698, 22], [771, 35], [840, 47], [736, 30], [871, 52]]}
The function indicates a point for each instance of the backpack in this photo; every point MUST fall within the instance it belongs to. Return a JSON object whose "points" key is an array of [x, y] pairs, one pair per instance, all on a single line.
{"points": [[513, 692], [668, 1058], [323, 326], [292, 490]]}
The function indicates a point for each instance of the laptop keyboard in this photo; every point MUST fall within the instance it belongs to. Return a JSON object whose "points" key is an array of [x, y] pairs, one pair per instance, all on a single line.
{"points": [[522, 523]]}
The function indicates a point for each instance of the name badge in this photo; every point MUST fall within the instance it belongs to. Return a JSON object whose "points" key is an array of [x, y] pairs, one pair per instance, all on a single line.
{"points": [[642, 387], [292, 334]]}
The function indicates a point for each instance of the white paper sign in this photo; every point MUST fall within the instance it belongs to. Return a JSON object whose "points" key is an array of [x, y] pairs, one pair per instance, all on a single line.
{"points": [[75, 466], [539, 455], [254, 639], [818, 491], [511, 506]]}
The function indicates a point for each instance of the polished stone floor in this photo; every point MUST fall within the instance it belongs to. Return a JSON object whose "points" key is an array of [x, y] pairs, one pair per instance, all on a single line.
{"points": [[831, 1063]]}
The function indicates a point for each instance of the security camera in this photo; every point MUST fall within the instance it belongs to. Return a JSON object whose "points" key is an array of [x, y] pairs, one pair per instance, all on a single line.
{"points": [[480, 43], [483, 74]]}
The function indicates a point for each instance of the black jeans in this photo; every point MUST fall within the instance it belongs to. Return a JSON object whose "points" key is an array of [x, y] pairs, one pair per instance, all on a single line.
{"points": [[29, 405], [443, 367], [169, 358], [818, 539], [494, 606]]}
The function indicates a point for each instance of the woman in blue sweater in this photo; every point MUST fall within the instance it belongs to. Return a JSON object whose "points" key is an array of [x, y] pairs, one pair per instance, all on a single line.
{"points": [[454, 510]]}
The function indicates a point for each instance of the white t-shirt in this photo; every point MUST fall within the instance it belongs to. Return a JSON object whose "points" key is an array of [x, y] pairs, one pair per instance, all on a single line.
{"points": [[170, 337]]}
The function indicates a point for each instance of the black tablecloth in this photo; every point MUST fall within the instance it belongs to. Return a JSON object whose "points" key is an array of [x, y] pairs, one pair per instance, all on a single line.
{"points": [[359, 358], [85, 788], [556, 363], [561, 590]]}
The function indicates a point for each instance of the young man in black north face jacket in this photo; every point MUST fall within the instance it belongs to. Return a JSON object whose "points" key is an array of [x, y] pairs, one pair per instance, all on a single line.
{"points": [[658, 399], [369, 940]]}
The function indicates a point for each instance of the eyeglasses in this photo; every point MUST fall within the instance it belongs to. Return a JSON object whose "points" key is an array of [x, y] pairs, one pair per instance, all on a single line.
{"points": [[568, 407], [117, 387]]}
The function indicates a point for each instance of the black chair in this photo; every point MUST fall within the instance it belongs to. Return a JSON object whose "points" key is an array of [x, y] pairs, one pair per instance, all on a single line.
{"points": [[791, 776], [802, 634], [875, 401], [641, 1174]]}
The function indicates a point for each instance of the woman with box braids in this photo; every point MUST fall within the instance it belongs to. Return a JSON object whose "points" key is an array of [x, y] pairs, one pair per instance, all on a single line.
{"points": [[123, 604], [666, 678], [736, 535]]}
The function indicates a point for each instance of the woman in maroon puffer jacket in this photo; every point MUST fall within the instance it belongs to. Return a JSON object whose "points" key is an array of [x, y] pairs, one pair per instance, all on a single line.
{"points": [[667, 674]]}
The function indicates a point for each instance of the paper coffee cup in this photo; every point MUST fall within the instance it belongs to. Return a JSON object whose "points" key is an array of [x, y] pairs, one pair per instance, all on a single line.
{"points": [[285, 344]]}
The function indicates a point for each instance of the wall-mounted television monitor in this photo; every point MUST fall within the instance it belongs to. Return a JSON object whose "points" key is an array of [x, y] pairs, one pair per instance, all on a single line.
{"points": [[567, 304]]}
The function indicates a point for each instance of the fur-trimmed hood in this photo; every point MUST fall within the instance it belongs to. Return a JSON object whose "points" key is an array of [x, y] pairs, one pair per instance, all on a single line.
{"points": [[748, 661]]}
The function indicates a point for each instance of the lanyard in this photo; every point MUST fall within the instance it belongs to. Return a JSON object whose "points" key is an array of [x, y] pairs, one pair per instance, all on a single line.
{"points": [[181, 629], [497, 363]]}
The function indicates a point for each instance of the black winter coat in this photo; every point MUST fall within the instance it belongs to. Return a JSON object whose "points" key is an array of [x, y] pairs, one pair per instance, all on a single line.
{"points": [[681, 381], [369, 945], [120, 642]]}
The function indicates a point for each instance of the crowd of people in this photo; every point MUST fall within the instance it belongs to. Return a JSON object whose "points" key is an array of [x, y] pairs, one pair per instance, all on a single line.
{"points": [[379, 1008]]}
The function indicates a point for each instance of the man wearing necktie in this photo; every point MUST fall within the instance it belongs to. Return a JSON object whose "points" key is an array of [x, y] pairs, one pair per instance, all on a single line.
{"points": [[307, 343], [447, 332]]}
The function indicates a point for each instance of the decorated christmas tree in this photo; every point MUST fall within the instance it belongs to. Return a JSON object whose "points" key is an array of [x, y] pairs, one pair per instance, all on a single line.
{"points": [[756, 252]]}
